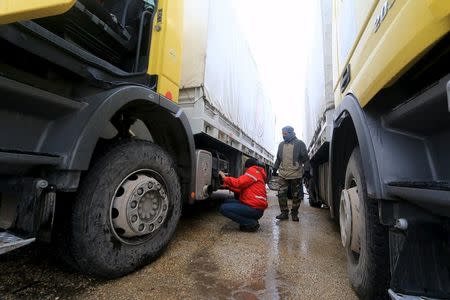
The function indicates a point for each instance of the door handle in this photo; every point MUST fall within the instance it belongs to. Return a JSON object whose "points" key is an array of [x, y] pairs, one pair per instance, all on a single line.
{"points": [[345, 78]]}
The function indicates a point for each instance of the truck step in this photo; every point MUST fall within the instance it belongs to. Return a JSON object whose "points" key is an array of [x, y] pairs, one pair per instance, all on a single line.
{"points": [[433, 195], [429, 110], [430, 185], [9, 242]]}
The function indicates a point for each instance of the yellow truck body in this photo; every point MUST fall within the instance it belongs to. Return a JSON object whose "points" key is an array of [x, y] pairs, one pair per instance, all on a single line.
{"points": [[166, 48], [19, 10], [383, 51]]}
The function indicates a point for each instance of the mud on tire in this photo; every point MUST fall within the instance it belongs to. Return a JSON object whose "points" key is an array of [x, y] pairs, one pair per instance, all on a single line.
{"points": [[93, 246], [368, 271]]}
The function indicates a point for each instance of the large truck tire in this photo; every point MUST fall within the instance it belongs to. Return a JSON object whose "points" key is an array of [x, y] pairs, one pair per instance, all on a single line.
{"points": [[368, 270], [312, 193], [314, 203], [126, 210]]}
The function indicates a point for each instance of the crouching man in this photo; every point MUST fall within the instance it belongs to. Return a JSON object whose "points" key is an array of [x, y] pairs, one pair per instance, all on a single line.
{"points": [[252, 202]]}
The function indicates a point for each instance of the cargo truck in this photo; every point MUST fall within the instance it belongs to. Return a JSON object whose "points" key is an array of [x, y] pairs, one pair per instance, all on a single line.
{"points": [[102, 140], [378, 128]]}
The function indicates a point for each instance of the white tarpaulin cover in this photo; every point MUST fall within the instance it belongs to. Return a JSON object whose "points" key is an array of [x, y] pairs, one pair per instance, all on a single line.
{"points": [[216, 55], [319, 81]]}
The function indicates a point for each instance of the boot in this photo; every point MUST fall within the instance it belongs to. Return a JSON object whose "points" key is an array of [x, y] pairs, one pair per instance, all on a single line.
{"points": [[253, 228], [283, 216], [294, 215]]}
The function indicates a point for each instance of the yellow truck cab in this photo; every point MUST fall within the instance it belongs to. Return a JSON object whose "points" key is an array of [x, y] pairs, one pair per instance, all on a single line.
{"points": [[380, 150]]}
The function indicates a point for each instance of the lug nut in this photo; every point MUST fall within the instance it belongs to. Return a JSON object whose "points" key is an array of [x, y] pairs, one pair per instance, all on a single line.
{"points": [[159, 219], [42, 184], [134, 218], [401, 224], [141, 227], [140, 191], [150, 185], [133, 204]]}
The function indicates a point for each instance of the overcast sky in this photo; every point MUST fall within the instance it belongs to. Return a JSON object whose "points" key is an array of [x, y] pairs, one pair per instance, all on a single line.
{"points": [[278, 35]]}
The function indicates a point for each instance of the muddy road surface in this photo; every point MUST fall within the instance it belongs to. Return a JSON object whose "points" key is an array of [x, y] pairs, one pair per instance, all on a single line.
{"points": [[207, 259]]}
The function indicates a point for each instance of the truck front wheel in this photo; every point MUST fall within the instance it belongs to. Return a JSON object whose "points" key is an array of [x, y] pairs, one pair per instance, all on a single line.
{"points": [[126, 210], [364, 238]]}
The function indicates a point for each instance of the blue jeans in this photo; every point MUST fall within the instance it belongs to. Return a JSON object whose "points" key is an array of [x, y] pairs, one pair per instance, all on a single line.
{"points": [[241, 213]]}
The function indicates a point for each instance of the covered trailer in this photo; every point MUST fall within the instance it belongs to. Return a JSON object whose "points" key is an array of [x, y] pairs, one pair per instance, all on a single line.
{"points": [[319, 100], [221, 92]]}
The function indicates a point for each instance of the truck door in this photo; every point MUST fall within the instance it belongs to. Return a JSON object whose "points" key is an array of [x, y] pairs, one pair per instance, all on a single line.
{"points": [[350, 18], [166, 47]]}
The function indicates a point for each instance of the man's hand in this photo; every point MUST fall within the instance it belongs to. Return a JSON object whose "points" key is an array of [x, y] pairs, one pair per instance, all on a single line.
{"points": [[221, 175], [274, 172], [306, 175], [306, 178]]}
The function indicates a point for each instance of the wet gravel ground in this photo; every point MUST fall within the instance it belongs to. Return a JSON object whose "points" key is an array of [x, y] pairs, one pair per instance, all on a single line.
{"points": [[207, 259]]}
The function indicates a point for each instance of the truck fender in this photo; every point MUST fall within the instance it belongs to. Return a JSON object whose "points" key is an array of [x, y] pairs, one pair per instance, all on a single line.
{"points": [[75, 136], [350, 110]]}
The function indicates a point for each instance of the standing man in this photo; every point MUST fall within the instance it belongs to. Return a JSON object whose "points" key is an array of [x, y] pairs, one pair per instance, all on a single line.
{"points": [[292, 164]]}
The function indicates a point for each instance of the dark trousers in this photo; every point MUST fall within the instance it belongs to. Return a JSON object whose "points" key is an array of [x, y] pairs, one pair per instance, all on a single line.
{"points": [[240, 213], [292, 188]]}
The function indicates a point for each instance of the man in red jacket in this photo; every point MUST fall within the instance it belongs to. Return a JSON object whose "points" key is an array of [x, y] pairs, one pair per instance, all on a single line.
{"points": [[252, 202]]}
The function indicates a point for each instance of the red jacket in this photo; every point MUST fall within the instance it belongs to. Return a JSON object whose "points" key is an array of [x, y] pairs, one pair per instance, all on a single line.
{"points": [[251, 187]]}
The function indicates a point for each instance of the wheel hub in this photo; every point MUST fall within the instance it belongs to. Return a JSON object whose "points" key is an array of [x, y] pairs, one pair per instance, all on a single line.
{"points": [[349, 219], [345, 218], [139, 206]]}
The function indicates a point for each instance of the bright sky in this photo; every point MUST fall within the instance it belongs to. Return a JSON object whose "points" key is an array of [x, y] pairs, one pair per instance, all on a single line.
{"points": [[278, 35]]}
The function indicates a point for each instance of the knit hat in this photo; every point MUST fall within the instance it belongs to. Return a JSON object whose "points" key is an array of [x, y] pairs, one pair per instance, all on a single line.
{"points": [[250, 163]]}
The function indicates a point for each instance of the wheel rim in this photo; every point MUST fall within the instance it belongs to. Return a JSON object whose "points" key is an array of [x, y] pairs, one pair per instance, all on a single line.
{"points": [[345, 219], [139, 206], [354, 231]]}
